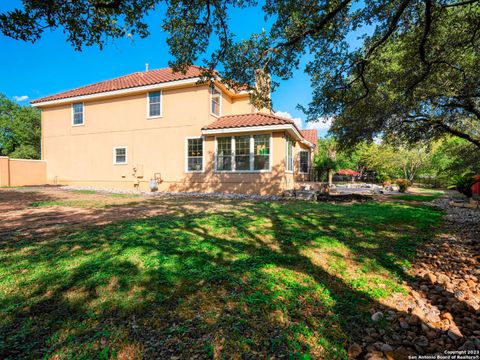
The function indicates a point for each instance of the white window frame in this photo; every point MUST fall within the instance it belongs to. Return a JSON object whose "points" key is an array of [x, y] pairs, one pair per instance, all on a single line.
{"points": [[73, 114], [252, 154], [300, 161], [220, 102], [289, 140], [186, 154], [150, 117], [115, 155]]}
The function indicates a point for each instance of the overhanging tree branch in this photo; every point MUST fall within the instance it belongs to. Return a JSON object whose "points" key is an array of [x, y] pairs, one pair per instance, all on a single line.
{"points": [[461, 3], [446, 128]]}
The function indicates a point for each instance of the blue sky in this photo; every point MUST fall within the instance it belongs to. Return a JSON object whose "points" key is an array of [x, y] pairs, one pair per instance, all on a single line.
{"points": [[51, 65]]}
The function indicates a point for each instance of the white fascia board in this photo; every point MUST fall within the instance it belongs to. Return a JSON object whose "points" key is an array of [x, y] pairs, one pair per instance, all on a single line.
{"points": [[245, 129], [308, 143], [118, 92]]}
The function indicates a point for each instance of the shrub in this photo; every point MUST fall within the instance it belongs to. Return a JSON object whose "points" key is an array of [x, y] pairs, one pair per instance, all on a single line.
{"points": [[403, 184], [463, 183]]}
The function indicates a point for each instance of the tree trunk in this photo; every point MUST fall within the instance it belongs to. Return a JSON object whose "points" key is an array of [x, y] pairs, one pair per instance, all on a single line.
{"points": [[330, 177]]}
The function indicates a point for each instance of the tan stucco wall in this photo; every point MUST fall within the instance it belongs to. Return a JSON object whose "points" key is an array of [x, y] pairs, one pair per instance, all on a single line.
{"points": [[83, 155], [272, 182], [18, 172], [242, 106], [301, 177], [4, 171]]}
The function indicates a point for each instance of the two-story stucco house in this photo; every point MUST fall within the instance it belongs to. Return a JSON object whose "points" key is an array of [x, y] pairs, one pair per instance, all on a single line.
{"points": [[161, 125]]}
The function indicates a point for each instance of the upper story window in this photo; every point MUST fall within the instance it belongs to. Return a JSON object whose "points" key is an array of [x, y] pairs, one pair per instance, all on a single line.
{"points": [[289, 157], [77, 114], [243, 153], [194, 154], [120, 155], [154, 104], [304, 161], [215, 101]]}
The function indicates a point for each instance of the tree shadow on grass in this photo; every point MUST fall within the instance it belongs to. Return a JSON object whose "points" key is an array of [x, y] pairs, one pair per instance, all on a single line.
{"points": [[235, 283]]}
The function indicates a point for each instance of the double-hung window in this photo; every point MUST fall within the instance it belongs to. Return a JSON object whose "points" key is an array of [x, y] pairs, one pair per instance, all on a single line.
{"points": [[120, 155], [289, 157], [195, 155], [261, 151], [304, 162], [77, 114], [215, 101], [224, 154], [154, 104], [243, 153]]}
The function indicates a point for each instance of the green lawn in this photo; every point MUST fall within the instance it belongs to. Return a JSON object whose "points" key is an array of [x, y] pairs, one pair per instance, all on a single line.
{"points": [[417, 197], [420, 195], [243, 280]]}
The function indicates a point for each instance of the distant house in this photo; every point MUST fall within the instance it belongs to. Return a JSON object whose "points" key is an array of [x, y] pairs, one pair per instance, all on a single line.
{"points": [[167, 126]]}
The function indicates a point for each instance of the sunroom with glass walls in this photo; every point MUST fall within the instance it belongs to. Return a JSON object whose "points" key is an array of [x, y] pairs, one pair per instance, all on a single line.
{"points": [[243, 153]]}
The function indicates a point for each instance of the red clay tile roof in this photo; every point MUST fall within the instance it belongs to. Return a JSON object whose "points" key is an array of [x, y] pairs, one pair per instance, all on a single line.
{"points": [[311, 136], [137, 79], [244, 120], [258, 119]]}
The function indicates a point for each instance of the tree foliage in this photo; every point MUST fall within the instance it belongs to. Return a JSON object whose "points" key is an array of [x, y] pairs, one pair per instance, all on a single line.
{"points": [[443, 163], [451, 159], [423, 84], [415, 76], [19, 130]]}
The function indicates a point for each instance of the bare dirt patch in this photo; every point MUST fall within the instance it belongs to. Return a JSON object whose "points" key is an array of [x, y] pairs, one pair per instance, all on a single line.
{"points": [[43, 210]]}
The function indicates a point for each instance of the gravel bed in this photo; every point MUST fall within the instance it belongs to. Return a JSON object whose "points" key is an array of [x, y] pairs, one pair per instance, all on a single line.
{"points": [[441, 311], [177, 194]]}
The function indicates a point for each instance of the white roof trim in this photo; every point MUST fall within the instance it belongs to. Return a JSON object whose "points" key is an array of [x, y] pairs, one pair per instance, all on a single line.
{"points": [[118, 92], [290, 128]]}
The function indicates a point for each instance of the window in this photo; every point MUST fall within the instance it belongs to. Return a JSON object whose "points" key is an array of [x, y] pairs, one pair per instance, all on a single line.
{"points": [[261, 151], [243, 153], [120, 155], [304, 162], [289, 158], [77, 114], [195, 154], [215, 101], [224, 154], [154, 104]]}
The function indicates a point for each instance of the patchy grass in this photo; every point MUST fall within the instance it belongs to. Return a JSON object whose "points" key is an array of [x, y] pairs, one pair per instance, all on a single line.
{"points": [[243, 280], [417, 197], [124, 196], [88, 202], [420, 195], [84, 192], [80, 203]]}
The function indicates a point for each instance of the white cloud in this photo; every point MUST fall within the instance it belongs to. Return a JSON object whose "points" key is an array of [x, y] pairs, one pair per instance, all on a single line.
{"points": [[322, 125], [298, 121], [20, 98]]}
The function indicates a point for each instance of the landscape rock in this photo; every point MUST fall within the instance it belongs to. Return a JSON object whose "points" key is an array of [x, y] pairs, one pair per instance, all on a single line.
{"points": [[354, 351], [440, 311], [377, 316], [454, 333]]}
